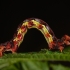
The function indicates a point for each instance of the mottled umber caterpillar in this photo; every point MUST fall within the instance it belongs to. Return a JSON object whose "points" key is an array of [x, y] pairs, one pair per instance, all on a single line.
{"points": [[42, 26]]}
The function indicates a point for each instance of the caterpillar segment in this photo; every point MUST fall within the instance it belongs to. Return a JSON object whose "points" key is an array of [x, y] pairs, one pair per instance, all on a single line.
{"points": [[43, 27]]}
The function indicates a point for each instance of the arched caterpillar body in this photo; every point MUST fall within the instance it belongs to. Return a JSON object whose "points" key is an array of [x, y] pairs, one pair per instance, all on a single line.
{"points": [[42, 26]]}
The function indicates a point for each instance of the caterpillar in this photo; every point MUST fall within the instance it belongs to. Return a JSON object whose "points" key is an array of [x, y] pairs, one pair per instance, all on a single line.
{"points": [[43, 27]]}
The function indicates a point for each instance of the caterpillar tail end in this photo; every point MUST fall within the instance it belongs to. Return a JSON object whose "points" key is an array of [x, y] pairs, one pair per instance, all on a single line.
{"points": [[56, 45], [60, 43]]}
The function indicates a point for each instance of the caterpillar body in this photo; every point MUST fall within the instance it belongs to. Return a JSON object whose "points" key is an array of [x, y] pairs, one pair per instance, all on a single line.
{"points": [[43, 27]]}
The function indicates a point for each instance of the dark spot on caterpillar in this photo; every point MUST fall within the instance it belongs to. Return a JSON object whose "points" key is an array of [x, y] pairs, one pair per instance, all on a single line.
{"points": [[30, 23], [40, 26]]}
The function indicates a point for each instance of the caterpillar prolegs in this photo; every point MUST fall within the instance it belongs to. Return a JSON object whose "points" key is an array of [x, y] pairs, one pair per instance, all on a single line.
{"points": [[43, 27]]}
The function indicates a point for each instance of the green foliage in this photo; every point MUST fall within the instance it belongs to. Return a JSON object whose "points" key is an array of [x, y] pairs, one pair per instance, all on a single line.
{"points": [[59, 67], [36, 60], [42, 55], [31, 65]]}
